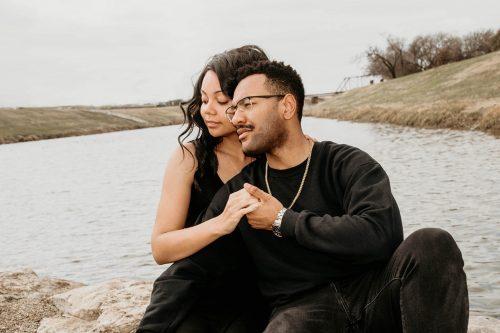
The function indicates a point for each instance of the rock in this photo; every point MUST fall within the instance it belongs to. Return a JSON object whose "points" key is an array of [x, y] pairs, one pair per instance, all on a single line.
{"points": [[66, 324], [114, 306], [482, 324], [25, 299]]}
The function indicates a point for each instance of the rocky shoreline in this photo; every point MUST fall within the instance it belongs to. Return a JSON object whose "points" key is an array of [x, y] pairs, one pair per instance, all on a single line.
{"points": [[29, 303]]}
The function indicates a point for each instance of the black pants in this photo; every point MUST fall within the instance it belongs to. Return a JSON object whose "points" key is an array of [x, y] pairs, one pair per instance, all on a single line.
{"points": [[202, 319], [421, 289]]}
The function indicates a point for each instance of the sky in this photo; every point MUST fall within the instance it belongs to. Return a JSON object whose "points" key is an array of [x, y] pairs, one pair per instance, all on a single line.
{"points": [[96, 52]]}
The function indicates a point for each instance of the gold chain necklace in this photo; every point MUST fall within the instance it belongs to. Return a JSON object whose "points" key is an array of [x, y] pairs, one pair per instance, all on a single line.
{"points": [[301, 183]]}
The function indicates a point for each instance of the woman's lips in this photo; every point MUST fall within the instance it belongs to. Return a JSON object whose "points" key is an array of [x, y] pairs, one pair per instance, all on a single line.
{"points": [[212, 124]]}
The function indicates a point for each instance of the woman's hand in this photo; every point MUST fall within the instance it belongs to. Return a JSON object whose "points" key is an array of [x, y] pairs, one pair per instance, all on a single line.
{"points": [[239, 204]]}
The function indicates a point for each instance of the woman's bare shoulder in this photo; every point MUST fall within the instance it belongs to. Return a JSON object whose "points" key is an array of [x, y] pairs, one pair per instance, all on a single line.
{"points": [[183, 160]]}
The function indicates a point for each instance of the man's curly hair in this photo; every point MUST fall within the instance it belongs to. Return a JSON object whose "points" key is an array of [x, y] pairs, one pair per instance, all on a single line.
{"points": [[281, 79]]}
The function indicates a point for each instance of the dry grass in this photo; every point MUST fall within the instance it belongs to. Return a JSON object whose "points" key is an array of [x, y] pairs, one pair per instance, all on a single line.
{"points": [[27, 124], [462, 95]]}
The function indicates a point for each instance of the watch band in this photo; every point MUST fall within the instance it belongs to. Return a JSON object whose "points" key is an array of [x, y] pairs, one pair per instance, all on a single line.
{"points": [[276, 227]]}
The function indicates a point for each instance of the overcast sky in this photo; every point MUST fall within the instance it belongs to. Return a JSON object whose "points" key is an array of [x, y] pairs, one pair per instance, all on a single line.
{"points": [[64, 52]]}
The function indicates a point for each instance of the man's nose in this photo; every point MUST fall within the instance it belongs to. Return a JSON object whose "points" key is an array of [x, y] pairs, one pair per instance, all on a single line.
{"points": [[238, 118]]}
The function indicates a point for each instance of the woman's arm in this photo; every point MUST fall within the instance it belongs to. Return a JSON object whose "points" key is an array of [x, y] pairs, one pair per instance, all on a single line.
{"points": [[170, 241]]}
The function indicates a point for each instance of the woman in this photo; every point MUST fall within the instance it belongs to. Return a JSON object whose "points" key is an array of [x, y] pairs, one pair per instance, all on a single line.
{"points": [[194, 173]]}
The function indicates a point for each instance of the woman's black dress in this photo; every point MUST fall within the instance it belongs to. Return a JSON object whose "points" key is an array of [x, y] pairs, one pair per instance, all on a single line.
{"points": [[234, 304]]}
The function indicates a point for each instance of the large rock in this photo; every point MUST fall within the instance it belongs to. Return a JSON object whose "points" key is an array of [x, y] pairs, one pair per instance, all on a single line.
{"points": [[114, 306]]}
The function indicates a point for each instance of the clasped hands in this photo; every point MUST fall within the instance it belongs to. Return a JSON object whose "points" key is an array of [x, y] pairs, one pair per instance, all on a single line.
{"points": [[260, 207]]}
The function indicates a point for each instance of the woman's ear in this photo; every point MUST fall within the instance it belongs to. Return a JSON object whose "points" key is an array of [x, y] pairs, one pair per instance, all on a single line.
{"points": [[290, 104]]}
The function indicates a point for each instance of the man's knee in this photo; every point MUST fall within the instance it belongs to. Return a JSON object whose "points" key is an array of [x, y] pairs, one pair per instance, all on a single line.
{"points": [[314, 317], [289, 320], [278, 324], [435, 246]]}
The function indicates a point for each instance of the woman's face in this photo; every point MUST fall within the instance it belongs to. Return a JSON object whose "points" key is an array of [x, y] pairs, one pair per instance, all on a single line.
{"points": [[213, 106]]}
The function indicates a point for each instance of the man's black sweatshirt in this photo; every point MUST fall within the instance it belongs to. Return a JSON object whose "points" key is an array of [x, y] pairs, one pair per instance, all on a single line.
{"points": [[345, 222]]}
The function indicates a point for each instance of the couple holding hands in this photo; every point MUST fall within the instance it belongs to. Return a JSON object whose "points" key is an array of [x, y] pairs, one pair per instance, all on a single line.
{"points": [[272, 231]]}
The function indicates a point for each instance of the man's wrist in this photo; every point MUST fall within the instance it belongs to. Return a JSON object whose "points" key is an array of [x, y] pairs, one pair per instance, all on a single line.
{"points": [[276, 226]]}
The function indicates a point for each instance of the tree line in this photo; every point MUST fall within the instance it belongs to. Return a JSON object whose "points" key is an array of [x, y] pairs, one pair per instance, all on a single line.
{"points": [[399, 58]]}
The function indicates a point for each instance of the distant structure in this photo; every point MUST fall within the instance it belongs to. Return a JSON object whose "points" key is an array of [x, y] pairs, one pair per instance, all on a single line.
{"points": [[352, 82], [173, 102], [348, 83], [316, 98]]}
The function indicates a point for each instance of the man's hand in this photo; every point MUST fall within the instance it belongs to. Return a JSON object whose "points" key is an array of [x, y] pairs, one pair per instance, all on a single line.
{"points": [[264, 216]]}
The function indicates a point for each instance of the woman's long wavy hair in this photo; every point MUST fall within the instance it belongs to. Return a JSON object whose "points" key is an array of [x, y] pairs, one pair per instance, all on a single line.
{"points": [[225, 65]]}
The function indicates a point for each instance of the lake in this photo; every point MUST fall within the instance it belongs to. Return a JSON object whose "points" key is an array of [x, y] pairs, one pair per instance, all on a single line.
{"points": [[82, 208]]}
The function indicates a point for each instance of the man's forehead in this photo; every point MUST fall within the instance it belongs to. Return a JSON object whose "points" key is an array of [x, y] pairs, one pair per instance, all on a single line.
{"points": [[251, 85]]}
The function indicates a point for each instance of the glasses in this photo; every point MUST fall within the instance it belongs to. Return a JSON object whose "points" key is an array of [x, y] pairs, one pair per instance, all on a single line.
{"points": [[245, 104]]}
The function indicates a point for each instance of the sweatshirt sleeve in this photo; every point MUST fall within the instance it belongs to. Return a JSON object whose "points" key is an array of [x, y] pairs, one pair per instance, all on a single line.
{"points": [[369, 231]]}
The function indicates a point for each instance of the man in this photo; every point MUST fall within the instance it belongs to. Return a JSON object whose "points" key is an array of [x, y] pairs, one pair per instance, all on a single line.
{"points": [[327, 239]]}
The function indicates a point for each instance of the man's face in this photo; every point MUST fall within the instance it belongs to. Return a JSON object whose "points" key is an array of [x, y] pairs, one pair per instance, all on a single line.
{"points": [[260, 128]]}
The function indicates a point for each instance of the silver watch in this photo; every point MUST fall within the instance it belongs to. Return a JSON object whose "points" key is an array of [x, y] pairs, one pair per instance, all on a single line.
{"points": [[276, 227]]}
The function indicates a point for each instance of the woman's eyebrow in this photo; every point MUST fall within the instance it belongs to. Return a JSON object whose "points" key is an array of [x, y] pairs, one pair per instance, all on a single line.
{"points": [[218, 91]]}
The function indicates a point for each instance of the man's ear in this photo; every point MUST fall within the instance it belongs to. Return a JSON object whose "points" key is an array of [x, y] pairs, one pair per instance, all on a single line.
{"points": [[290, 104]]}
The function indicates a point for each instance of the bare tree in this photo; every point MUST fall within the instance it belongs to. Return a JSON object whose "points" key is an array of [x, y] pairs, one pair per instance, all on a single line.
{"points": [[435, 50], [428, 51], [495, 41], [449, 49], [478, 43], [423, 52], [389, 63]]}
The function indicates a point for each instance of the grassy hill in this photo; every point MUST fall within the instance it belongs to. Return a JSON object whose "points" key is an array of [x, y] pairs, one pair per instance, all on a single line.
{"points": [[461, 95], [27, 124]]}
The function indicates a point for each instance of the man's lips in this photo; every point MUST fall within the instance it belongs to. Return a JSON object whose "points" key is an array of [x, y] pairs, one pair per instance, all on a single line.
{"points": [[242, 132]]}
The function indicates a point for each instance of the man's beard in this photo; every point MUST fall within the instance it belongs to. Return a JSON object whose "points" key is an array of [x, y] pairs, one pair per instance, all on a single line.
{"points": [[272, 135]]}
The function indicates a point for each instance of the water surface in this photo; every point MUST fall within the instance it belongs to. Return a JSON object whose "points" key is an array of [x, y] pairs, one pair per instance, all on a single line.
{"points": [[82, 208]]}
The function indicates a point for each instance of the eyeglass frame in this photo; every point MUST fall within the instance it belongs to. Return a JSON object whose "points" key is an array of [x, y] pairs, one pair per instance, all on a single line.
{"points": [[250, 97]]}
